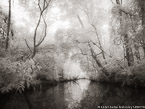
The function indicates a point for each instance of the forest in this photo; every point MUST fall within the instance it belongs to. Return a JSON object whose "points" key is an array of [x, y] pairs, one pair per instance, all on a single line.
{"points": [[54, 41]]}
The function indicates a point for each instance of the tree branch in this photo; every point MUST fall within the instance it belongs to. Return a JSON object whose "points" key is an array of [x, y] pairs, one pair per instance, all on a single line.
{"points": [[28, 46], [45, 6], [80, 21]]}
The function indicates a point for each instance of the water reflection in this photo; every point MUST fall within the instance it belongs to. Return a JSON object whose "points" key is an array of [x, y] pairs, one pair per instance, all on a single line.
{"points": [[74, 93], [80, 94]]}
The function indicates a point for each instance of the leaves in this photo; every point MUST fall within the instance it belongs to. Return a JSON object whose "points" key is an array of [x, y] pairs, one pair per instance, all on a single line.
{"points": [[18, 75], [6, 88], [20, 87]]}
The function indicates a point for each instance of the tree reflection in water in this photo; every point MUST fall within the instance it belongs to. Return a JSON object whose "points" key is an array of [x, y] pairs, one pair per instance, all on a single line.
{"points": [[81, 94]]}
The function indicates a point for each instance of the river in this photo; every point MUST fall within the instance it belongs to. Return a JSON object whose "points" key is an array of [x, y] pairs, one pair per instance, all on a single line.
{"points": [[81, 94]]}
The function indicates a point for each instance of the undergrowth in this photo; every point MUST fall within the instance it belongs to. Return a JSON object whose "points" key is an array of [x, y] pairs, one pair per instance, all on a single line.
{"points": [[130, 76], [17, 75]]}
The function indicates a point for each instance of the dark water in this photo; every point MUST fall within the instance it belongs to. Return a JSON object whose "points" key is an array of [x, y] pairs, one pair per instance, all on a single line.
{"points": [[81, 94]]}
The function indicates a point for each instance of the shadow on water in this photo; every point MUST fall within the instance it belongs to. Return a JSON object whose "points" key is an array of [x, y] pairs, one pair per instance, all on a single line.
{"points": [[81, 94]]}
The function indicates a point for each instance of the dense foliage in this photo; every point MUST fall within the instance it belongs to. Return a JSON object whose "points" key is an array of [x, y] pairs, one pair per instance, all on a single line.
{"points": [[102, 40], [17, 74]]}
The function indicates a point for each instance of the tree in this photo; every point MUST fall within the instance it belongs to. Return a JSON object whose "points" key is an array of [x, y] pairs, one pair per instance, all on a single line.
{"points": [[122, 17], [8, 25], [43, 5], [141, 8], [88, 9], [83, 48], [3, 29]]}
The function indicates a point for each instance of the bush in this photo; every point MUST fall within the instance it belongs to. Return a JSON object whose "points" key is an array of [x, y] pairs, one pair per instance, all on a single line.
{"points": [[47, 67], [131, 76], [17, 74]]}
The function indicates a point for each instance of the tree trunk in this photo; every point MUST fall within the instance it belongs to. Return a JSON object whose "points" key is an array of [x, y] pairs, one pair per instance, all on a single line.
{"points": [[144, 50], [128, 51], [137, 53], [8, 26], [103, 69], [141, 4], [34, 52]]}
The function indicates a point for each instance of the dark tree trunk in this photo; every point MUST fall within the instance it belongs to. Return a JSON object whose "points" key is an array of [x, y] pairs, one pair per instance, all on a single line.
{"points": [[8, 27], [137, 53], [34, 52], [128, 51], [141, 5], [144, 50]]}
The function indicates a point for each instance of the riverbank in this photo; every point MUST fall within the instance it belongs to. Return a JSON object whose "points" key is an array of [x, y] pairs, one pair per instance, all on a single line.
{"points": [[31, 79], [112, 80], [42, 85], [133, 76]]}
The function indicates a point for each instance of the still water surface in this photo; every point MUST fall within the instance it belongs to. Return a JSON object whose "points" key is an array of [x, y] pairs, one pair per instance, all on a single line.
{"points": [[81, 94]]}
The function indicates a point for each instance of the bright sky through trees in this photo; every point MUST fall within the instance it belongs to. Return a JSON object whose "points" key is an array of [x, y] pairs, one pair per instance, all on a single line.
{"points": [[23, 19]]}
